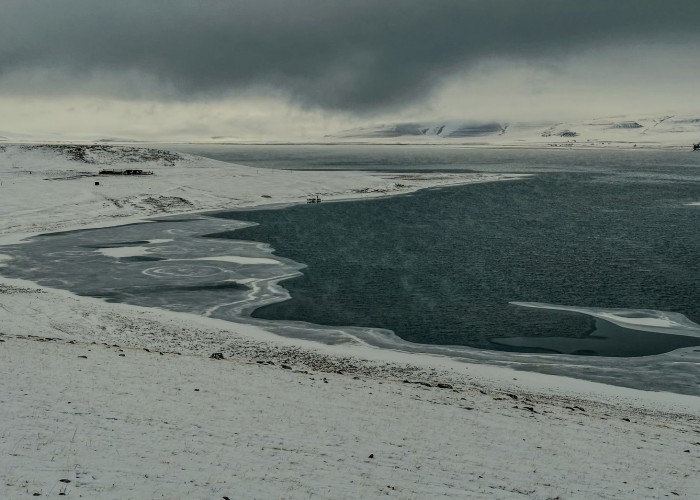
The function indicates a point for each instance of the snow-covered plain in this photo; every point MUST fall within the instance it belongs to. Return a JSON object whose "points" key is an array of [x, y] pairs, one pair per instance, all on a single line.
{"points": [[102, 400]]}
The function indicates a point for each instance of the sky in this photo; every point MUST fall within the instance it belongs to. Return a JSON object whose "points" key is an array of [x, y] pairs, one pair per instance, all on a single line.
{"points": [[299, 69]]}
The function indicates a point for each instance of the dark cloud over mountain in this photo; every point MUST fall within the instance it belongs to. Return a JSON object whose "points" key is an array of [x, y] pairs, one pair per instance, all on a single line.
{"points": [[355, 55]]}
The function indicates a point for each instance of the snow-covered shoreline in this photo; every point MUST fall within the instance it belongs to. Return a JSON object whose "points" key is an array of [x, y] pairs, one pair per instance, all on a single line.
{"points": [[357, 393], [182, 184]]}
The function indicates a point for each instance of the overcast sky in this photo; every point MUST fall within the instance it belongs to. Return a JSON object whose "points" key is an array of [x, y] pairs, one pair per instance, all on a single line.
{"points": [[275, 69]]}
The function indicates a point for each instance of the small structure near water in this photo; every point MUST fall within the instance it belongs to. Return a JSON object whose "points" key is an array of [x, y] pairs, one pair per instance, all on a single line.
{"points": [[126, 171], [313, 199], [696, 147]]}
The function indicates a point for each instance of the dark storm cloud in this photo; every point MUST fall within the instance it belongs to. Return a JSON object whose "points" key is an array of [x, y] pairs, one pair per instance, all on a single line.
{"points": [[352, 54]]}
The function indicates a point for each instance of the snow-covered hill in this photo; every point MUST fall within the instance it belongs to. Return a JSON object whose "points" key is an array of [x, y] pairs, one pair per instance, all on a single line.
{"points": [[622, 131], [53, 186]]}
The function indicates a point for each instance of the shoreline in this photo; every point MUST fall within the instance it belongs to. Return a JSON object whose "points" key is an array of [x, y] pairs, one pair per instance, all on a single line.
{"points": [[357, 344], [373, 188], [245, 342], [591, 369], [111, 400]]}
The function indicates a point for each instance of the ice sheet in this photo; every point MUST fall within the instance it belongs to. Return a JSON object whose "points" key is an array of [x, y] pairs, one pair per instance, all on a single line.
{"points": [[120, 252], [638, 319], [237, 259]]}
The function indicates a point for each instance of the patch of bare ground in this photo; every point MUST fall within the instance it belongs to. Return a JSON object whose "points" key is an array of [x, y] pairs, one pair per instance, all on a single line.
{"points": [[9, 289], [97, 154]]}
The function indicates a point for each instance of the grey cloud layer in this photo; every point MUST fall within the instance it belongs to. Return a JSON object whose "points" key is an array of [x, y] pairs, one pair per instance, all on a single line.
{"points": [[349, 55]]}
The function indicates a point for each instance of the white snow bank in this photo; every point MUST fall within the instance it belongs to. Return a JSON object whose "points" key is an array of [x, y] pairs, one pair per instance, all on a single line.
{"points": [[237, 260]]}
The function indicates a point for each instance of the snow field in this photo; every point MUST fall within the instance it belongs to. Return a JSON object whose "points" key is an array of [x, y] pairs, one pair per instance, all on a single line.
{"points": [[126, 423]]}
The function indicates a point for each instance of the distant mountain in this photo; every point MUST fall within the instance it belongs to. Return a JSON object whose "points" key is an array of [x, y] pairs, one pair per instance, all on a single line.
{"points": [[632, 131], [469, 129], [114, 139]]}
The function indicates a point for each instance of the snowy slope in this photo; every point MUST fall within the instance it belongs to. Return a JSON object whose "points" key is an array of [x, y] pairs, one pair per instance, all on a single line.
{"points": [[103, 421], [51, 187]]}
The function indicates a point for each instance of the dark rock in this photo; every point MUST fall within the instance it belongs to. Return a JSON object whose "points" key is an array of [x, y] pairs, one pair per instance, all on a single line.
{"points": [[445, 386], [217, 355], [371, 455], [286, 367]]}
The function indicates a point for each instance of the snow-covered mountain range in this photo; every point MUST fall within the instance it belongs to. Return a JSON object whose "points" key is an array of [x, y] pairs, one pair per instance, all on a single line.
{"points": [[629, 131], [649, 131]]}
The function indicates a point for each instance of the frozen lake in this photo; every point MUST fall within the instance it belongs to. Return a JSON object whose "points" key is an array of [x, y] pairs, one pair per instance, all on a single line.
{"points": [[586, 269]]}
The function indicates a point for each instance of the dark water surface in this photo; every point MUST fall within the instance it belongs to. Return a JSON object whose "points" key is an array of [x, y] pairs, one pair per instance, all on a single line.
{"points": [[442, 266], [412, 158]]}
